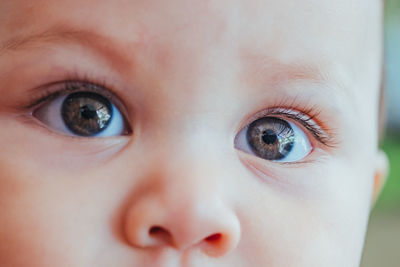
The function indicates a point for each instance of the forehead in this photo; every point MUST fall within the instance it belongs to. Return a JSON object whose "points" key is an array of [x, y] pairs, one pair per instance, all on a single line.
{"points": [[274, 26], [336, 40]]}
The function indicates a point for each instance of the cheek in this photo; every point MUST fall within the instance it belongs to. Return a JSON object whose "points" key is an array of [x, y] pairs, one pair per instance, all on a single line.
{"points": [[51, 220], [36, 223], [323, 224], [45, 210]]}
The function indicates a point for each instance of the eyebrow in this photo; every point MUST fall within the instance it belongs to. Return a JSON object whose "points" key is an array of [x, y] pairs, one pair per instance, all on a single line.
{"points": [[273, 71], [263, 70], [102, 45]]}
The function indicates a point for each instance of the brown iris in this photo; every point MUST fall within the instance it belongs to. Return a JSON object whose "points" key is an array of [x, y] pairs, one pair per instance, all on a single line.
{"points": [[270, 138], [86, 113]]}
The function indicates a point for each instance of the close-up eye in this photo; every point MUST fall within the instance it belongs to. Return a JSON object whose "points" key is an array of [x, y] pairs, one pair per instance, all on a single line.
{"points": [[274, 139], [84, 114]]}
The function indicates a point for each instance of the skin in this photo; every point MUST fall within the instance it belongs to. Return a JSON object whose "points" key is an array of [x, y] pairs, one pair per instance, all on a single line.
{"points": [[189, 75]]}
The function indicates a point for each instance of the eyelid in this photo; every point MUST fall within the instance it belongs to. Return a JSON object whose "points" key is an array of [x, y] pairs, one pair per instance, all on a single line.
{"points": [[52, 90]]}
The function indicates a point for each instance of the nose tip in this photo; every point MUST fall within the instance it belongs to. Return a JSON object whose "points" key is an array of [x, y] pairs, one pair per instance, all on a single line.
{"points": [[214, 230]]}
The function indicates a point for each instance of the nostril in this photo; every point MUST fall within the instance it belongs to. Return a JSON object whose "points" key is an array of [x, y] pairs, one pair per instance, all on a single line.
{"points": [[161, 234], [216, 245], [214, 238], [156, 230]]}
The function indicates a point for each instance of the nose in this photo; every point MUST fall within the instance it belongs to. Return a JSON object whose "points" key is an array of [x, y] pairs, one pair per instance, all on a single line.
{"points": [[182, 212]]}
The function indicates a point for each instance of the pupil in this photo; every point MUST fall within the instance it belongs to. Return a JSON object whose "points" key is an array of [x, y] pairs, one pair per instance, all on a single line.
{"points": [[269, 137], [88, 112]]}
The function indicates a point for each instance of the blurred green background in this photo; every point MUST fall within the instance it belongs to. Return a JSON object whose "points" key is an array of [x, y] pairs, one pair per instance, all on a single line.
{"points": [[382, 248]]}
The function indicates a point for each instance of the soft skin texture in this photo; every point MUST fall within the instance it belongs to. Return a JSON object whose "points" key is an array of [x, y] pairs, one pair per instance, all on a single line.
{"points": [[189, 75]]}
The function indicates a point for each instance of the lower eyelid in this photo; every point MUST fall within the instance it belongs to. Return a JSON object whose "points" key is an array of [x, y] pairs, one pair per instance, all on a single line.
{"points": [[94, 144], [270, 172], [80, 153]]}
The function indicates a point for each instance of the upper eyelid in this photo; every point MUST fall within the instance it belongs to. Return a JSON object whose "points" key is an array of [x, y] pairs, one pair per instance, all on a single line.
{"points": [[53, 90], [279, 111]]}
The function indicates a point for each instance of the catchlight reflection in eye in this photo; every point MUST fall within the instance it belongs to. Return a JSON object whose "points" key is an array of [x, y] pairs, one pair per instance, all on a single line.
{"points": [[274, 139]]}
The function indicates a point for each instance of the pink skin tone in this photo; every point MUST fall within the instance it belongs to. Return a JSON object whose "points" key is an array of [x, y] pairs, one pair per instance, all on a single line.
{"points": [[189, 76]]}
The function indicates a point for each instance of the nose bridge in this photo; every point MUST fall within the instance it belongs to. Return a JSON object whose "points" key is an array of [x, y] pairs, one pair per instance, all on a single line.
{"points": [[192, 163], [193, 168], [194, 172], [190, 185]]}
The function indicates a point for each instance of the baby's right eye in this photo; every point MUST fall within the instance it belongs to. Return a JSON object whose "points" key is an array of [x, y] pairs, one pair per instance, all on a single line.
{"points": [[84, 114]]}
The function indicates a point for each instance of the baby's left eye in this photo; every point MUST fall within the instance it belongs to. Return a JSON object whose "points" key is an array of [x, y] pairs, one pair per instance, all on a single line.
{"points": [[85, 114], [274, 139]]}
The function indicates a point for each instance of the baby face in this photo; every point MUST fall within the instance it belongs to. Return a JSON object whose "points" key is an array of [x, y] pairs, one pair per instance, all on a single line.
{"points": [[188, 133]]}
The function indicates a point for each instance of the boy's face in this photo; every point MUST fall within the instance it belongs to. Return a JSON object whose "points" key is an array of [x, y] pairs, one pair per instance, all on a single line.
{"points": [[188, 179]]}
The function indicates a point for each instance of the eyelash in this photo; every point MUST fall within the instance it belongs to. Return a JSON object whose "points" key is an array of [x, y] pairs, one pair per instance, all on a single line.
{"points": [[72, 83]]}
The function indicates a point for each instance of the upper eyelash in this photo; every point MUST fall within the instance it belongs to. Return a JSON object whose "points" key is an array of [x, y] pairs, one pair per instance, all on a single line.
{"points": [[65, 88], [53, 90]]}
